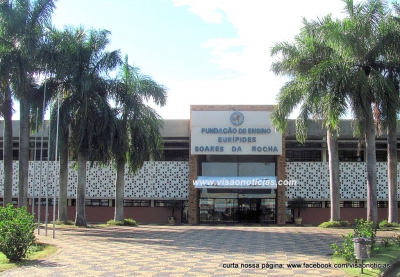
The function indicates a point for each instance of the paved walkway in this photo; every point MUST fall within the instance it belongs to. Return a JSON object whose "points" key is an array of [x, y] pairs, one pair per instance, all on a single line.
{"points": [[186, 251]]}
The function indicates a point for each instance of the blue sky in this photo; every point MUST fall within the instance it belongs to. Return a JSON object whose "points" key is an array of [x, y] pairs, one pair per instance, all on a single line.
{"points": [[203, 51]]}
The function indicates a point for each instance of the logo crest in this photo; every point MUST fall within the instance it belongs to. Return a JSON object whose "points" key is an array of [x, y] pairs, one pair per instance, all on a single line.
{"points": [[237, 118]]}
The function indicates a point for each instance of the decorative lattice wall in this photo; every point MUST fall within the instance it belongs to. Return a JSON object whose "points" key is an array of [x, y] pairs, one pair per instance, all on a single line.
{"points": [[156, 180], [313, 180], [165, 180]]}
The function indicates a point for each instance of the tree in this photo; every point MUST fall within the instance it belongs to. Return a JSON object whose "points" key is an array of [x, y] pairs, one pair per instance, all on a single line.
{"points": [[6, 112], [84, 107], [390, 104], [23, 21], [313, 87], [386, 115], [356, 40], [137, 136]]}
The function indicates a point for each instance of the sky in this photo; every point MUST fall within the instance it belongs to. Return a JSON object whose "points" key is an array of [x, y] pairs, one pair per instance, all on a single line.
{"points": [[205, 52]]}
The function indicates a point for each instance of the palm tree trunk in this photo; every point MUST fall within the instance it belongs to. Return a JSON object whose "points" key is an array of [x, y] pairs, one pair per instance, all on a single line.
{"points": [[80, 219], [24, 134], [119, 191], [334, 175], [372, 209], [63, 181], [7, 147], [392, 173]]}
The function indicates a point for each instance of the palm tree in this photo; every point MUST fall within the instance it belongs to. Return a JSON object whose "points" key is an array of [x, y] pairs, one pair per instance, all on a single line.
{"points": [[312, 87], [389, 105], [24, 21], [6, 112], [356, 40], [137, 137], [84, 108], [59, 56]]}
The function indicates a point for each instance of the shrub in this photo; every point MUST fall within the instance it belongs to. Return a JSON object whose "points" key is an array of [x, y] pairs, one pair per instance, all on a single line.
{"points": [[396, 239], [362, 229], [16, 232], [129, 222], [335, 224], [386, 242], [115, 222], [386, 224], [346, 250], [126, 222]]}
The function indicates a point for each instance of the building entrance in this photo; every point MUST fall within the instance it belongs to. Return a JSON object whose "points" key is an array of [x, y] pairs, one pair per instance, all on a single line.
{"points": [[238, 210], [249, 210]]}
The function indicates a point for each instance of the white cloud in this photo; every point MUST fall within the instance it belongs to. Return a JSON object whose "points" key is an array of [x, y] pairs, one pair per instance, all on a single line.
{"points": [[259, 25], [206, 10]]}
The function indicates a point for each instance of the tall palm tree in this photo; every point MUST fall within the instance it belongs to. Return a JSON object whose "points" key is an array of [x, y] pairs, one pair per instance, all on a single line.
{"points": [[25, 21], [137, 137], [84, 108], [312, 87], [390, 104], [356, 40], [6, 111]]}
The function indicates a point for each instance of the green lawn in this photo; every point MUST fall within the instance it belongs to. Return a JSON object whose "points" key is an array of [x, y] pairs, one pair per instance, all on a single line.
{"points": [[40, 251], [382, 256]]}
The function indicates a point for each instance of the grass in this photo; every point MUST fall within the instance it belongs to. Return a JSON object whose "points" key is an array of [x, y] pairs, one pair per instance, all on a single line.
{"points": [[381, 257], [39, 251]]}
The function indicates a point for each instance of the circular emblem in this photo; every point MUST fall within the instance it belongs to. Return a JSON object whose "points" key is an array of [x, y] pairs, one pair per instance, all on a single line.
{"points": [[237, 118]]}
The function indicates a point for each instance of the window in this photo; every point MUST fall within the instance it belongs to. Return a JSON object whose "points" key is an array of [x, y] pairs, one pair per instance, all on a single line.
{"points": [[303, 156], [306, 152], [347, 204], [314, 204], [43, 201], [383, 204], [137, 203], [160, 203], [165, 203], [175, 155], [350, 151], [96, 202], [350, 156]]}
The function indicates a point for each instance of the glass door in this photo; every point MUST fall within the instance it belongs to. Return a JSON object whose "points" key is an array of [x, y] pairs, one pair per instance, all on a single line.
{"points": [[268, 211], [249, 210]]}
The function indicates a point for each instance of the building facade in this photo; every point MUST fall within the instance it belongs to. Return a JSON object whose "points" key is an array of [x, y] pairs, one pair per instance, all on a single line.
{"points": [[226, 164]]}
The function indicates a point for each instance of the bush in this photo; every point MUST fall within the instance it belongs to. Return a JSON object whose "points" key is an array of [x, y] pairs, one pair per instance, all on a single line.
{"points": [[126, 222], [396, 239], [334, 224], [362, 229], [16, 232], [113, 222], [386, 242], [346, 250], [129, 222], [386, 224]]}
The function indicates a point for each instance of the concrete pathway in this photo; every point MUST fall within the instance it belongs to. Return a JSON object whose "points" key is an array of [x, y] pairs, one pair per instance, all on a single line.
{"points": [[187, 251]]}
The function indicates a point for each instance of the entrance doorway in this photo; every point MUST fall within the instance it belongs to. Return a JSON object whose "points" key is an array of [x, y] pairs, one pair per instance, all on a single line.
{"points": [[240, 210], [249, 210]]}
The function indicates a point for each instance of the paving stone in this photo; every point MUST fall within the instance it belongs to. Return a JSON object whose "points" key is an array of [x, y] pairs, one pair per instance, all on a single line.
{"points": [[153, 250]]}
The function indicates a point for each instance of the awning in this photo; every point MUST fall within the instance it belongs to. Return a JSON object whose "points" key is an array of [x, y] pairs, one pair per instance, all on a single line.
{"points": [[244, 182]]}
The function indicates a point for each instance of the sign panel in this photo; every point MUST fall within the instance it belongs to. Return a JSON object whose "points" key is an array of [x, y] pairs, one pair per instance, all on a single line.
{"points": [[236, 182], [234, 133]]}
